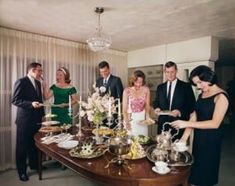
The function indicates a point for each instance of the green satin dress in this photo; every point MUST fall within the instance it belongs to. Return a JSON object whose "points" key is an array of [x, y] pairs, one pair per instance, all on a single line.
{"points": [[61, 95]]}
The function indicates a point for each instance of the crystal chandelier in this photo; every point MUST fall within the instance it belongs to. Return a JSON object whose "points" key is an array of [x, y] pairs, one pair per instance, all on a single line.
{"points": [[99, 41]]}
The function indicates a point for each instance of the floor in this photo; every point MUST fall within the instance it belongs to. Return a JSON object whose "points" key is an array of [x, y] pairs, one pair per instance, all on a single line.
{"points": [[55, 176]]}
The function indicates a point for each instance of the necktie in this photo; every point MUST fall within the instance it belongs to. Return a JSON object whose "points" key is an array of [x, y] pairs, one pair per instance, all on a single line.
{"points": [[105, 82], [37, 88], [169, 95]]}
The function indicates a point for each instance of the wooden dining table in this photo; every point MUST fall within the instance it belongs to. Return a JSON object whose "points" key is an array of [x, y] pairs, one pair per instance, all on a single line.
{"points": [[134, 173]]}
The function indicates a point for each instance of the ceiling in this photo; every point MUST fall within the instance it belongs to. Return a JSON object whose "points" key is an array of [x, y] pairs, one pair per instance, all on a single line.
{"points": [[132, 24]]}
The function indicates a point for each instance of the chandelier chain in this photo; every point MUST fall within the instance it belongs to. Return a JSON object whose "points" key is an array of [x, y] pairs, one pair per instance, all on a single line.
{"points": [[99, 41]]}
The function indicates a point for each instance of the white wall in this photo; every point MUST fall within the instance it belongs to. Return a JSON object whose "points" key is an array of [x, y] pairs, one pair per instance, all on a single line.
{"points": [[195, 50], [187, 54], [147, 56]]}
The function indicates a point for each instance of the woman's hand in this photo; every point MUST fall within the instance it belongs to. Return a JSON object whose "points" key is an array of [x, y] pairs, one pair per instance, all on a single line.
{"points": [[149, 120], [63, 105], [179, 124], [128, 125]]}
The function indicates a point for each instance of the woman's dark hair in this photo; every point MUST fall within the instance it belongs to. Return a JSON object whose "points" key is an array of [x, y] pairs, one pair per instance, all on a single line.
{"points": [[137, 74], [66, 74], [204, 73]]}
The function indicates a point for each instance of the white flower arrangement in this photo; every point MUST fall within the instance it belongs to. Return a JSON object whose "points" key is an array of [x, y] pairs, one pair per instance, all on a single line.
{"points": [[97, 107]]}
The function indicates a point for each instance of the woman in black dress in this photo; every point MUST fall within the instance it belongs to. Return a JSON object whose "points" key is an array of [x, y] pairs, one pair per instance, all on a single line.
{"points": [[206, 120]]}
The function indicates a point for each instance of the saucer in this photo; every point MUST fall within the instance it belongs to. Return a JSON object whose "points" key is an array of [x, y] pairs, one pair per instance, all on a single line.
{"points": [[68, 144], [49, 123], [165, 171], [182, 149], [167, 113]]}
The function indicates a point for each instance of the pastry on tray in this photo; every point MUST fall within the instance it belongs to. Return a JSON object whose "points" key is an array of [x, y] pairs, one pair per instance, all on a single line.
{"points": [[147, 122], [103, 131], [50, 129]]}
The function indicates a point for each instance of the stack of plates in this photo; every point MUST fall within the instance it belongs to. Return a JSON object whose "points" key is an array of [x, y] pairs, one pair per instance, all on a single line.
{"points": [[68, 144], [49, 123]]}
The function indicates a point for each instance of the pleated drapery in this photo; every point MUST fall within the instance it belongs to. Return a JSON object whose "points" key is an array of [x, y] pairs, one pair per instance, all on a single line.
{"points": [[18, 49]]}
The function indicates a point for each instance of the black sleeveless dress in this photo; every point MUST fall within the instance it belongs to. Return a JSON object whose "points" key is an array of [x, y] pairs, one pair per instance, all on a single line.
{"points": [[206, 146]]}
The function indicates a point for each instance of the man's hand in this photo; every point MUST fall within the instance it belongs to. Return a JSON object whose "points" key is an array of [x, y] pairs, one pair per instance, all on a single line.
{"points": [[36, 104], [157, 110], [175, 113]]}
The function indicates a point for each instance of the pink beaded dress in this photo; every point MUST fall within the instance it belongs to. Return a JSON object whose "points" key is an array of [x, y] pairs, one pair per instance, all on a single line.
{"points": [[136, 105]]}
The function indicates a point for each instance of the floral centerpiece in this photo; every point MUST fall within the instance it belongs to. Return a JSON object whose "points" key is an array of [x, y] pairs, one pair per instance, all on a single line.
{"points": [[98, 108]]}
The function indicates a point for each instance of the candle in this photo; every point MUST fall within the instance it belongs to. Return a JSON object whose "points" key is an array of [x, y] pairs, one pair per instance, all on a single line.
{"points": [[80, 110], [70, 103], [109, 108], [129, 106], [80, 103], [119, 107]]}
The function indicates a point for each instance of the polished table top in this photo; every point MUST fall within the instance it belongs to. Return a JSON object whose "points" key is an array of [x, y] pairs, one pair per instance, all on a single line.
{"points": [[137, 172]]}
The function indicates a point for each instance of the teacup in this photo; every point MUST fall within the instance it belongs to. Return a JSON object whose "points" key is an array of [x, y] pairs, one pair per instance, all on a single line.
{"points": [[160, 166], [180, 146]]}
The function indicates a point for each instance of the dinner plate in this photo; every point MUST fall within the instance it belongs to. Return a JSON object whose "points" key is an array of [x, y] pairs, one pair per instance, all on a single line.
{"points": [[165, 171], [68, 144], [181, 149], [165, 112], [49, 123], [147, 122], [50, 115]]}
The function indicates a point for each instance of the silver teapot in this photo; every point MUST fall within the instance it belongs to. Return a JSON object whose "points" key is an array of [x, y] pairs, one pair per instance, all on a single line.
{"points": [[164, 139], [159, 154]]}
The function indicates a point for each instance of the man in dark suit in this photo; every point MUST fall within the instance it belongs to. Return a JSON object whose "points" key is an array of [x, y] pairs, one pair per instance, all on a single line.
{"points": [[27, 96], [112, 84], [174, 96]]}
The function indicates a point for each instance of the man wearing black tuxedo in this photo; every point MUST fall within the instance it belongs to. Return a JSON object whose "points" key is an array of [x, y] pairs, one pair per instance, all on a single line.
{"points": [[174, 96], [27, 96], [112, 84], [109, 83]]}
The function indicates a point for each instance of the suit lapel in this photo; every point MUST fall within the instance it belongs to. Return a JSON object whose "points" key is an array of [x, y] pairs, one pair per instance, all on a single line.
{"points": [[176, 93], [165, 91], [110, 80], [30, 84]]}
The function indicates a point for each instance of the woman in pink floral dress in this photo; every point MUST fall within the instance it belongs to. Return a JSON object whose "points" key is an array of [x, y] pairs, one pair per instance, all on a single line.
{"points": [[136, 104]]}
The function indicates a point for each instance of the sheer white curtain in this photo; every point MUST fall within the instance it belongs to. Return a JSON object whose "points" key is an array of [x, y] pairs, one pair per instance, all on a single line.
{"points": [[18, 49]]}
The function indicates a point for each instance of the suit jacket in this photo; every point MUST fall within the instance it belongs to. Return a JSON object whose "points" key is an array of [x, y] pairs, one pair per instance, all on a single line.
{"points": [[23, 95], [183, 100], [114, 85]]}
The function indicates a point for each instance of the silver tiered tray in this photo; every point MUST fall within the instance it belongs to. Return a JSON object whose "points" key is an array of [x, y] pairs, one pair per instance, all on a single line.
{"points": [[184, 158]]}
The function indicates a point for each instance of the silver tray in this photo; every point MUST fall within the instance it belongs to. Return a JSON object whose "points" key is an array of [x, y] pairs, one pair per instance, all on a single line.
{"points": [[76, 152], [185, 158]]}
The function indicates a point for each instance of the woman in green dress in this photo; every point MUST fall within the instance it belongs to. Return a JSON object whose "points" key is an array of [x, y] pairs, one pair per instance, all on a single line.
{"points": [[64, 96]]}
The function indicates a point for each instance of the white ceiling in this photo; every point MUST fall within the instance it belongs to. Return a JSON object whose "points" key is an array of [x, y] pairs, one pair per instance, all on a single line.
{"points": [[132, 24]]}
